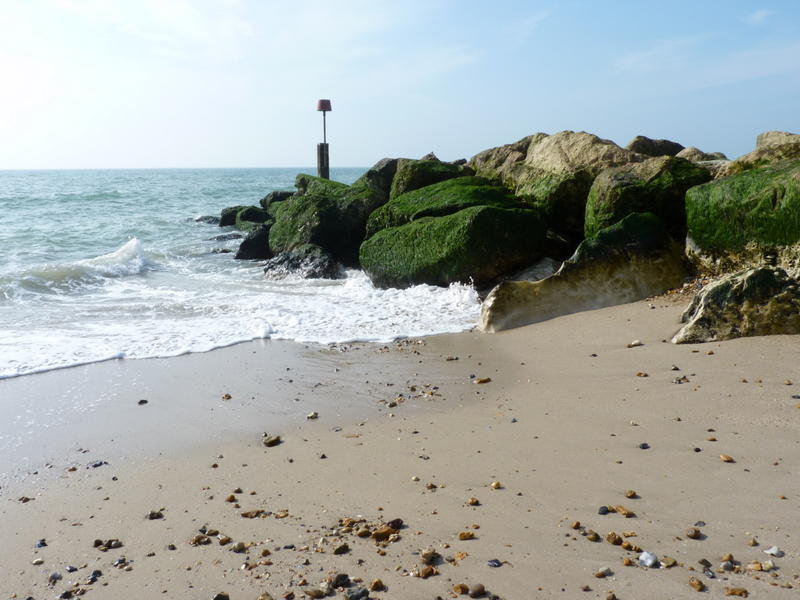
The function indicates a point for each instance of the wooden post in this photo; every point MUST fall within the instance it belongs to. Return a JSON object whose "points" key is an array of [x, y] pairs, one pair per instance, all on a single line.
{"points": [[323, 161]]}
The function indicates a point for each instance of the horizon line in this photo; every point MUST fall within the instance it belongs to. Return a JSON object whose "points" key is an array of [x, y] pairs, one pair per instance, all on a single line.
{"points": [[7, 170]]}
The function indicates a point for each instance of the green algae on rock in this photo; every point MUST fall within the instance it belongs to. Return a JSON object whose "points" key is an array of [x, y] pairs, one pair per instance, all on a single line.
{"points": [[227, 216], [657, 185], [760, 301], [554, 173], [631, 260], [326, 213], [438, 200], [414, 174], [251, 217], [759, 206], [475, 244]]}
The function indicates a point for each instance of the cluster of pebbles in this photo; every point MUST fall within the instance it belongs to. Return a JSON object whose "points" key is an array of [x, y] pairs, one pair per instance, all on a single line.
{"points": [[727, 565]]}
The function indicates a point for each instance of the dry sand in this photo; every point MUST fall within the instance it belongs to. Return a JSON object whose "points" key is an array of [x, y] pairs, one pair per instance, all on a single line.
{"points": [[559, 426]]}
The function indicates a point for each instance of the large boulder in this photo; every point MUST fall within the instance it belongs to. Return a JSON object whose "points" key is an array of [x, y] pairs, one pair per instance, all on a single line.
{"points": [[628, 261], [555, 173], [771, 147], [760, 206], [760, 301], [307, 261], [272, 198], [776, 138], [644, 145], [228, 215], [476, 244], [325, 213], [438, 200], [256, 245], [415, 174], [657, 185], [505, 163], [251, 217], [696, 155], [379, 179]]}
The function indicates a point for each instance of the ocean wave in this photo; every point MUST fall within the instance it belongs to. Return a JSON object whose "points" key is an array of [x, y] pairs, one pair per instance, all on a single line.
{"points": [[127, 260]]}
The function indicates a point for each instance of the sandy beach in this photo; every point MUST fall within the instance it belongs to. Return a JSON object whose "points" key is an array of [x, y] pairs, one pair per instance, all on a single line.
{"points": [[513, 440]]}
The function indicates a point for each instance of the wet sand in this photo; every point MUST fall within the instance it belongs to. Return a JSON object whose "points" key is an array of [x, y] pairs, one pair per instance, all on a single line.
{"points": [[405, 432]]}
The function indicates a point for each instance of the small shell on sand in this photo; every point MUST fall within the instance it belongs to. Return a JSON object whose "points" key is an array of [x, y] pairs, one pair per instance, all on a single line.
{"points": [[726, 458]]}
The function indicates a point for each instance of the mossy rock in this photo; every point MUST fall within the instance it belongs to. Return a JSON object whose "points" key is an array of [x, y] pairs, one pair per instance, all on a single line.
{"points": [[761, 157], [760, 206], [657, 185], [639, 233], [378, 179], [326, 213], [560, 198], [633, 259], [760, 301], [476, 244], [306, 220], [308, 185], [255, 246], [438, 200], [415, 174], [553, 173], [228, 215], [250, 217], [274, 197]]}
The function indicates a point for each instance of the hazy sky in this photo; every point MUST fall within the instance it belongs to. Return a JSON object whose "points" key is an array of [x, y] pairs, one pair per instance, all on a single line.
{"points": [[228, 83]]}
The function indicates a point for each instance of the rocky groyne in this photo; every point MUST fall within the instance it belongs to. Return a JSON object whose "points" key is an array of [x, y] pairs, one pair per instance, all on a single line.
{"points": [[626, 223]]}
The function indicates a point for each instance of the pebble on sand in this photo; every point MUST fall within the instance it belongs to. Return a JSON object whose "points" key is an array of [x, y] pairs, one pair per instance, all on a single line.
{"points": [[696, 584], [693, 533], [270, 440]]}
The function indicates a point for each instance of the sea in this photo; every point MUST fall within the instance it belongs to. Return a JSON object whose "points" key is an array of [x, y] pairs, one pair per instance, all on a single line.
{"points": [[115, 264]]}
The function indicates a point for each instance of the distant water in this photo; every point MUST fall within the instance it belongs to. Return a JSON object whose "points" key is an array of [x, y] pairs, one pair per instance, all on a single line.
{"points": [[110, 264]]}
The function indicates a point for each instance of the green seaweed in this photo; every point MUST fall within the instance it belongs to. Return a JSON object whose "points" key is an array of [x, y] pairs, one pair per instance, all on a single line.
{"points": [[439, 199], [415, 174], [475, 244], [759, 205], [657, 185]]}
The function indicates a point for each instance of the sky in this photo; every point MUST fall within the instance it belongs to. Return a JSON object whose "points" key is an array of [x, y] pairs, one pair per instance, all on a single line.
{"points": [[234, 83]]}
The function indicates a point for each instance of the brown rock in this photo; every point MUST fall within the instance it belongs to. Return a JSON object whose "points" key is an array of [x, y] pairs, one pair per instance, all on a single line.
{"points": [[693, 533], [696, 584], [382, 533], [477, 590], [428, 571], [613, 538]]}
